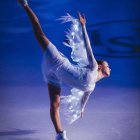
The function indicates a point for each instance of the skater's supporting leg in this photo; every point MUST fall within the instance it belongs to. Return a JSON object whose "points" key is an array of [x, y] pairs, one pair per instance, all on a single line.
{"points": [[42, 39], [54, 93]]}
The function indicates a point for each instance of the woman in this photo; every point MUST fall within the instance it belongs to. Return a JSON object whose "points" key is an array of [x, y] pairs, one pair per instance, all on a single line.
{"points": [[57, 69]]}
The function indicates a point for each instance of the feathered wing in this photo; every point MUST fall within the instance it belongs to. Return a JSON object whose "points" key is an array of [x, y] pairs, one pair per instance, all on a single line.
{"points": [[71, 105], [75, 40]]}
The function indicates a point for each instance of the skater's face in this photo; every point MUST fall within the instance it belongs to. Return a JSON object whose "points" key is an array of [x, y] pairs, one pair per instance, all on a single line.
{"points": [[105, 69]]}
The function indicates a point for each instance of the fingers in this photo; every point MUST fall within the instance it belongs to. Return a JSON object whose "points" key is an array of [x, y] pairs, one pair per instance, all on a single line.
{"points": [[84, 16], [81, 15], [82, 114]]}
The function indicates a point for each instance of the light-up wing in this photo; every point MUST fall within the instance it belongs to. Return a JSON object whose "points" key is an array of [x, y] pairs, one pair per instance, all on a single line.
{"points": [[71, 105], [75, 40]]}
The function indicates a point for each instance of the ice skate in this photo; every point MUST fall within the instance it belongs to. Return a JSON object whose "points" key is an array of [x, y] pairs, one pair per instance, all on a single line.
{"points": [[61, 136]]}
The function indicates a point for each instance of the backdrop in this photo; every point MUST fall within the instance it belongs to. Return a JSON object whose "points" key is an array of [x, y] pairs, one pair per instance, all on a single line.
{"points": [[113, 109]]}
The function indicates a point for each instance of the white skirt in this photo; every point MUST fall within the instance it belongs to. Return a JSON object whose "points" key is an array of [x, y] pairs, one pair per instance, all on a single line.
{"points": [[56, 68]]}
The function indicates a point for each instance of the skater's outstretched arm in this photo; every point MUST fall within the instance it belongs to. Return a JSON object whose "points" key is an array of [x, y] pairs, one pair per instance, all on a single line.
{"points": [[40, 36], [84, 101], [91, 58]]}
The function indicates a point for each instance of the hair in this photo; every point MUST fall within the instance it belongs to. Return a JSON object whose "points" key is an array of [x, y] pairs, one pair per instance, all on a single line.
{"points": [[100, 62]]}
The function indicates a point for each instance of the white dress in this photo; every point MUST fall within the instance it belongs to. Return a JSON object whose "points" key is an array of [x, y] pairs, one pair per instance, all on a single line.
{"points": [[81, 78]]}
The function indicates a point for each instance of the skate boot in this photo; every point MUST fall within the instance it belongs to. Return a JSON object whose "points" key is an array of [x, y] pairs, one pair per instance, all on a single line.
{"points": [[61, 136]]}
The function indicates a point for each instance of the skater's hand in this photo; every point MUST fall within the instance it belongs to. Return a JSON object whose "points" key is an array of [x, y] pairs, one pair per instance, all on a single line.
{"points": [[82, 114], [82, 19]]}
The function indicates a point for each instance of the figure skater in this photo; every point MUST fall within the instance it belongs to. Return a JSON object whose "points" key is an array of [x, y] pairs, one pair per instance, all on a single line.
{"points": [[57, 68]]}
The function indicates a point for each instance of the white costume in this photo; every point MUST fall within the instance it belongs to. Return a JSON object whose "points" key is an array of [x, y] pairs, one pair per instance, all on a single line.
{"points": [[81, 78]]}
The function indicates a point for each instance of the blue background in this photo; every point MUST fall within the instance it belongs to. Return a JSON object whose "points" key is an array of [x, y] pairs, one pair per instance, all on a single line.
{"points": [[113, 27], [114, 30]]}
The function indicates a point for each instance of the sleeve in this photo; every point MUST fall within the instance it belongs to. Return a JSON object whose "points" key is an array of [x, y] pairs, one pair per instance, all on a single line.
{"points": [[90, 56]]}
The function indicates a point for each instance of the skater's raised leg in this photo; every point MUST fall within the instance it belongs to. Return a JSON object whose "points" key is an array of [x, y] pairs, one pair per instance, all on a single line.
{"points": [[40, 36]]}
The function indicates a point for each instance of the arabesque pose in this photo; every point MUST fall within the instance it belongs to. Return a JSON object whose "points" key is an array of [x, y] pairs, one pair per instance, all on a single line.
{"points": [[57, 68]]}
